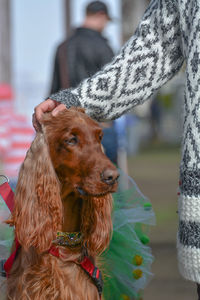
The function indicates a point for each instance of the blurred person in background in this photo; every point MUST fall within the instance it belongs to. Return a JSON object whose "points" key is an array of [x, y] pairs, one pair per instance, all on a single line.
{"points": [[84, 53], [167, 35]]}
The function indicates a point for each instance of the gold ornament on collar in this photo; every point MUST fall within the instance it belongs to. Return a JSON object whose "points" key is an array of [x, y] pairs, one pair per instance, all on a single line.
{"points": [[68, 239]]}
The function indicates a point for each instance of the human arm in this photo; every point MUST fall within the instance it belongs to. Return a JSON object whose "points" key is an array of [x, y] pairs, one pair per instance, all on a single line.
{"points": [[149, 59]]}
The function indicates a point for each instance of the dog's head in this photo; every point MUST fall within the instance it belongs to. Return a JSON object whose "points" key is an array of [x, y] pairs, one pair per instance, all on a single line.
{"points": [[77, 155]]}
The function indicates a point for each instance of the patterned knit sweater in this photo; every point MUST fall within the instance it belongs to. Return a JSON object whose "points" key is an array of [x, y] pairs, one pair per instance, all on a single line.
{"points": [[168, 35]]}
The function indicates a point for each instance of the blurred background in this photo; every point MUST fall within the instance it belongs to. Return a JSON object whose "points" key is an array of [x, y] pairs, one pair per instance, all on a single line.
{"points": [[149, 144]]}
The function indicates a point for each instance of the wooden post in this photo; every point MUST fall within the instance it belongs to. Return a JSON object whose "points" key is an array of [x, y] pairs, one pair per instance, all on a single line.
{"points": [[5, 53], [68, 17]]}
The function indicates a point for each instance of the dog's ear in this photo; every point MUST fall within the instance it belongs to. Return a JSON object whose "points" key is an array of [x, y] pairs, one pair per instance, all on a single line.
{"points": [[97, 223], [38, 207]]}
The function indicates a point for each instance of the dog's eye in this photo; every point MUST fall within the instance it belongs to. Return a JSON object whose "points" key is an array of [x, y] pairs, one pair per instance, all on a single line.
{"points": [[100, 136], [72, 141]]}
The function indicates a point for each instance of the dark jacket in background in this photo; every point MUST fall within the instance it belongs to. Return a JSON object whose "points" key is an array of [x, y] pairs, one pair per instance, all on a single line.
{"points": [[79, 57]]}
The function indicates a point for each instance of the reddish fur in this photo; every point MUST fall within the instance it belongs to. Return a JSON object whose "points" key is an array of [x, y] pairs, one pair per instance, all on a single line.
{"points": [[47, 200]]}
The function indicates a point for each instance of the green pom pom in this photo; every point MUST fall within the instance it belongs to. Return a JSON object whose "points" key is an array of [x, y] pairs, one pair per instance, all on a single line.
{"points": [[147, 206], [144, 239]]}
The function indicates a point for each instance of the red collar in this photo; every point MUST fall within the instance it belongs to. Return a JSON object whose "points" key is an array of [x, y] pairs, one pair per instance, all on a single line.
{"points": [[95, 274]]}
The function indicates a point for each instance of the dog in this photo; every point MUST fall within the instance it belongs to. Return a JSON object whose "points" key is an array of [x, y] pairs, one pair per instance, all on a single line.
{"points": [[62, 213]]}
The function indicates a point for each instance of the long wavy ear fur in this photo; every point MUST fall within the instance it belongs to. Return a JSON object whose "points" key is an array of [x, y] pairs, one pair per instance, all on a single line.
{"points": [[97, 223], [38, 207]]}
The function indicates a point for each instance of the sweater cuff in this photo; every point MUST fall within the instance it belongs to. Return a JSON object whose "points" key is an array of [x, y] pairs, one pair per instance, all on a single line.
{"points": [[188, 240], [67, 98], [189, 262]]}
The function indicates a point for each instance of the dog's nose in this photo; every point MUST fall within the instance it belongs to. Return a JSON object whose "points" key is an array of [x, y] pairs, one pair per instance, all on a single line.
{"points": [[109, 176]]}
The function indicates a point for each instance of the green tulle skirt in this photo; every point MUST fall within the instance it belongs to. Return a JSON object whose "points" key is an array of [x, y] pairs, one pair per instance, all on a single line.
{"points": [[127, 262]]}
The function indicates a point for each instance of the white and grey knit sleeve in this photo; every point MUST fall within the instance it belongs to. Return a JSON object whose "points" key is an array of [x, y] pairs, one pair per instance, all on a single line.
{"points": [[150, 58]]}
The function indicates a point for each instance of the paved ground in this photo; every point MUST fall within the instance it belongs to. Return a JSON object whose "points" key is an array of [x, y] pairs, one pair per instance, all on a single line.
{"points": [[167, 283]]}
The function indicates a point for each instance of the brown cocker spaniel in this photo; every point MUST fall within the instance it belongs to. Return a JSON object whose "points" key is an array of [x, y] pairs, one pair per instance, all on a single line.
{"points": [[62, 214]]}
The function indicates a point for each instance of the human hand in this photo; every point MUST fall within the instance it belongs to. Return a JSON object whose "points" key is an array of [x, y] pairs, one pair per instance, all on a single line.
{"points": [[43, 107]]}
